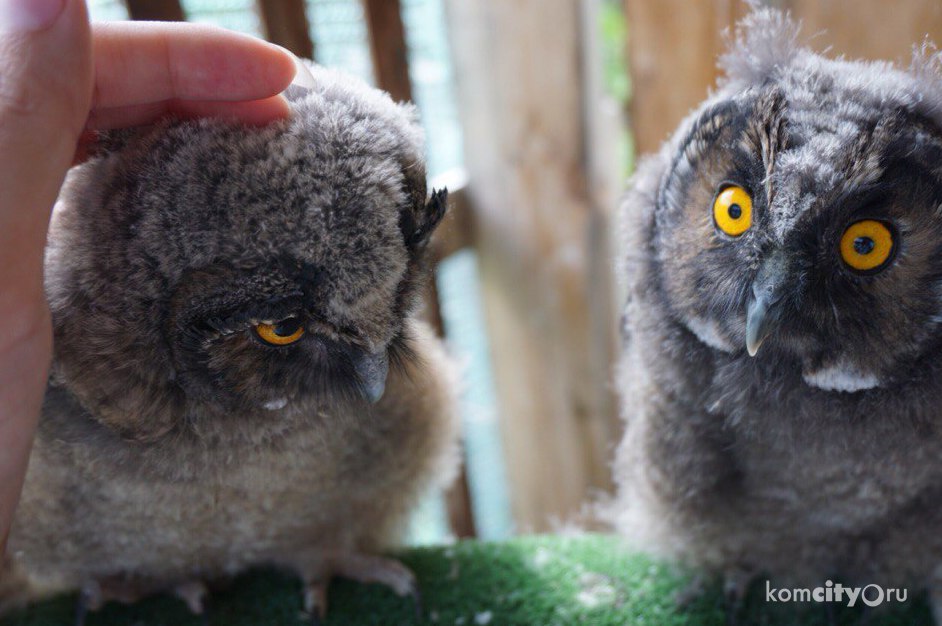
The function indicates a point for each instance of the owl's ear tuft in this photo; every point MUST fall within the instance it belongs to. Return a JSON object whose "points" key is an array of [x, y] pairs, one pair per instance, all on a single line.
{"points": [[926, 69], [418, 224], [763, 41]]}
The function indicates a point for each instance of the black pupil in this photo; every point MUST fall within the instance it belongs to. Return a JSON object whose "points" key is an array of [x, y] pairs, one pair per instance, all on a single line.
{"points": [[864, 245], [286, 328], [734, 211]]}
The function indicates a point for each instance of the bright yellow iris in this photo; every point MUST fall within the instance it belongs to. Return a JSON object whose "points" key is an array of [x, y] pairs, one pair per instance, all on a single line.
{"points": [[866, 245], [280, 334], [732, 211]]}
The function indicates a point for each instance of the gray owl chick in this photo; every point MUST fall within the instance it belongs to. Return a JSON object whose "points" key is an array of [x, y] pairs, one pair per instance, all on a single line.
{"points": [[782, 375], [238, 375]]}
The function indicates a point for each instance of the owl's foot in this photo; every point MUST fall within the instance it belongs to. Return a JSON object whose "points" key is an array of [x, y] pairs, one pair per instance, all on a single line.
{"points": [[95, 594], [691, 593], [735, 585], [934, 587], [362, 568]]}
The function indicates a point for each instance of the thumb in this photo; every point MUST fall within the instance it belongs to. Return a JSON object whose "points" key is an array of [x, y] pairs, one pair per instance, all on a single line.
{"points": [[45, 93]]}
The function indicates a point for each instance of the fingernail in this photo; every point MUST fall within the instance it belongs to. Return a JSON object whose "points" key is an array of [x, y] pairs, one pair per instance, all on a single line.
{"points": [[18, 16], [302, 75]]}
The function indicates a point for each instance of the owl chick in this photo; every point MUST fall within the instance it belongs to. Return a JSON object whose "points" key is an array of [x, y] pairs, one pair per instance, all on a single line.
{"points": [[239, 377], [782, 375]]}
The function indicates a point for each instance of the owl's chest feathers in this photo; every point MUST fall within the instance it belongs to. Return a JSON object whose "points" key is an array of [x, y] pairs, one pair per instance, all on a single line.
{"points": [[834, 459], [186, 502], [797, 454], [211, 488]]}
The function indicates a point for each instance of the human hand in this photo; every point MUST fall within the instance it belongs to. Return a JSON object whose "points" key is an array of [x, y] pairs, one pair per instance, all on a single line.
{"points": [[59, 81]]}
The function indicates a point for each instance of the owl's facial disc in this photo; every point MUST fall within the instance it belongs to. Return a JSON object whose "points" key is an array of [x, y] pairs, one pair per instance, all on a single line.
{"points": [[371, 368]]}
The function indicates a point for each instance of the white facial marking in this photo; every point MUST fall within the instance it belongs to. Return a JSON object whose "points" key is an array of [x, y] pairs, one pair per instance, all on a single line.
{"points": [[708, 332], [275, 404], [841, 378]]}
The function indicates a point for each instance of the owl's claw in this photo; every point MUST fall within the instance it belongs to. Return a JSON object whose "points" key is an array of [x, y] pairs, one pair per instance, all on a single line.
{"points": [[735, 585], [692, 592], [193, 593], [361, 568], [94, 594], [90, 599], [315, 601]]}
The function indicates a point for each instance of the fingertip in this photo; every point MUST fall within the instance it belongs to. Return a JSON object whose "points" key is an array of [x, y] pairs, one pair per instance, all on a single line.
{"points": [[252, 112], [283, 65]]}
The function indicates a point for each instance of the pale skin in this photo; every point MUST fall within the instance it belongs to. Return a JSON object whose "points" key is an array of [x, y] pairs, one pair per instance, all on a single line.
{"points": [[60, 80]]}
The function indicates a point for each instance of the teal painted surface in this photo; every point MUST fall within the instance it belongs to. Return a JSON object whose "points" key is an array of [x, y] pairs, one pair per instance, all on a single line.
{"points": [[461, 305], [433, 81], [106, 10]]}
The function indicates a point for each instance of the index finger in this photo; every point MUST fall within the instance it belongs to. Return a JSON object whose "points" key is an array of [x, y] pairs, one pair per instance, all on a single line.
{"points": [[145, 62]]}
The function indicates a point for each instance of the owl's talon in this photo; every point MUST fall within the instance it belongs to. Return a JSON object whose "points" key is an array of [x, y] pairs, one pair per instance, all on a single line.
{"points": [[193, 593], [385, 571], [376, 569], [735, 585], [691, 593], [315, 601], [90, 598], [94, 594], [417, 603], [361, 568]]}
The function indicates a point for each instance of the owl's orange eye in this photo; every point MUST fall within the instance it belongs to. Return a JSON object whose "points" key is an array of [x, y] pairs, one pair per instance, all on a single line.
{"points": [[282, 333], [732, 210], [867, 246]]}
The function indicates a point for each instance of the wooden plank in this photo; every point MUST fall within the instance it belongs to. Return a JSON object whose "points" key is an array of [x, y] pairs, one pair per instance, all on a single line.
{"points": [[458, 503], [155, 10], [672, 61], [535, 229], [286, 24], [868, 29], [449, 237], [388, 47], [455, 231]]}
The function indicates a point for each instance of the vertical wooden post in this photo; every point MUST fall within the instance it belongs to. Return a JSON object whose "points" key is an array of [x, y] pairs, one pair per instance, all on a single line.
{"points": [[537, 232], [672, 61], [286, 24], [388, 47], [159, 10], [391, 68]]}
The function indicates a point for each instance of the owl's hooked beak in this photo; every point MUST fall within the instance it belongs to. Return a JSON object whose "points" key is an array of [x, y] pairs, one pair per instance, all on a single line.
{"points": [[762, 311], [758, 324], [372, 369]]}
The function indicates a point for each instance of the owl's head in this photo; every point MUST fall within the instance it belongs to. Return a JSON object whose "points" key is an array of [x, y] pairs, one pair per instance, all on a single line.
{"points": [[201, 268], [797, 213]]}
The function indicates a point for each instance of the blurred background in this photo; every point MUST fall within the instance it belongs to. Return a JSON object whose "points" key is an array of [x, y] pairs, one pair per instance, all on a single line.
{"points": [[534, 112]]}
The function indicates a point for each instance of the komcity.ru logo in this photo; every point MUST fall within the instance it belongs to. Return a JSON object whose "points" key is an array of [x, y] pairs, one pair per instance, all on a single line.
{"points": [[871, 595]]}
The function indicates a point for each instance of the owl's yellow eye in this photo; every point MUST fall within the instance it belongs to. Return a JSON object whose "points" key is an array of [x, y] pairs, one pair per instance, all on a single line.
{"points": [[732, 210], [867, 245], [283, 333]]}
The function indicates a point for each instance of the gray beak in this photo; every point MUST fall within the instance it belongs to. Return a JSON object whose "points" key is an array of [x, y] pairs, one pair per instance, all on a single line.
{"points": [[758, 324], [372, 370], [762, 311]]}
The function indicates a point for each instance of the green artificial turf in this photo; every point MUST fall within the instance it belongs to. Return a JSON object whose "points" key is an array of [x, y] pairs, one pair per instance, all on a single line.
{"points": [[532, 581]]}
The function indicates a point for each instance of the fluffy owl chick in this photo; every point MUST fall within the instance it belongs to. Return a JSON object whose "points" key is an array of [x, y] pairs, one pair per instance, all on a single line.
{"points": [[796, 216], [238, 376]]}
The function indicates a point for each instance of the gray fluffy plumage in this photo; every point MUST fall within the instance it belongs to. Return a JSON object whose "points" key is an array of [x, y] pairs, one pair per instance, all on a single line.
{"points": [[822, 455], [175, 445]]}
